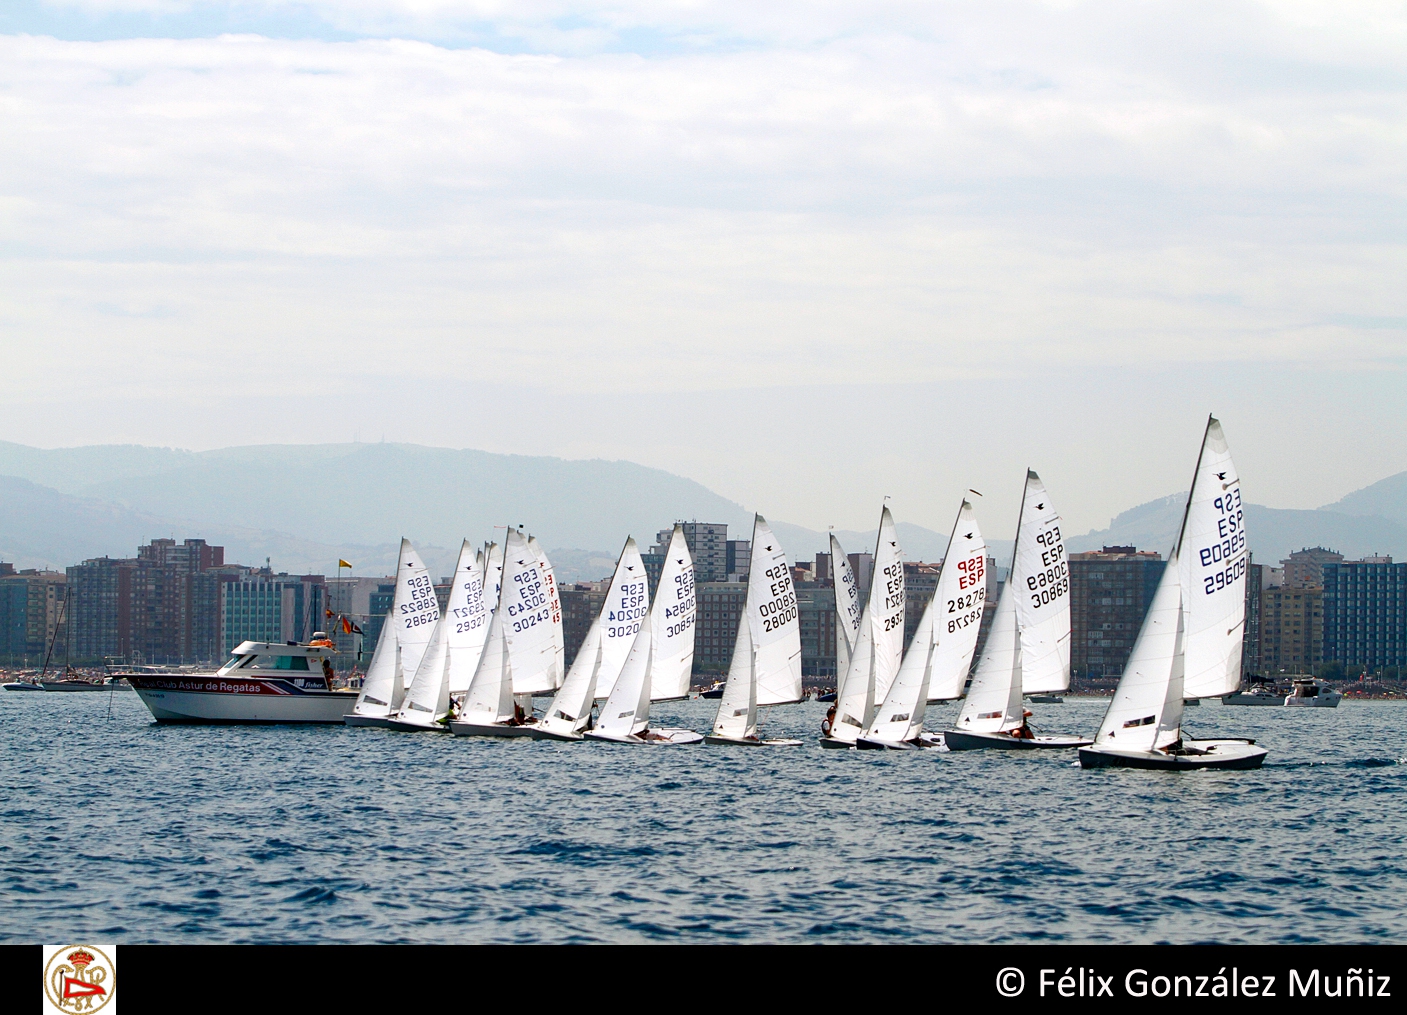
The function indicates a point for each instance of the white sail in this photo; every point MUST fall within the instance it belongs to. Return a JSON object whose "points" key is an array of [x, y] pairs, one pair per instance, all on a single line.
{"points": [[737, 709], [627, 708], [467, 616], [626, 606], [493, 574], [848, 607], [939, 653], [383, 673], [1139, 712], [528, 618], [490, 695], [554, 599], [570, 711], [671, 620], [880, 647], [958, 605], [1214, 559], [1041, 573], [994, 700], [427, 698], [777, 637], [411, 622]]}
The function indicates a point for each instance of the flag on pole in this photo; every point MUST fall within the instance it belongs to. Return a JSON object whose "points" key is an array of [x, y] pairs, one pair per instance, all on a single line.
{"points": [[343, 563]]}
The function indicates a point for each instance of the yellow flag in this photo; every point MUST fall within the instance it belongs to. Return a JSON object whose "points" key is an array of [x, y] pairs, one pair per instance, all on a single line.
{"points": [[343, 563]]}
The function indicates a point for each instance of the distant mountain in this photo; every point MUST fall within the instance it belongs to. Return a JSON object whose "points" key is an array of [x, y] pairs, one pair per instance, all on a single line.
{"points": [[1273, 533], [1387, 498]]}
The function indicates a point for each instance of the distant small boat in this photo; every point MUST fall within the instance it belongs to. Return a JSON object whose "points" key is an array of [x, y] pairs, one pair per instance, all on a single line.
{"points": [[73, 685], [716, 691], [1047, 699], [1260, 694], [828, 696], [22, 685], [1308, 694]]}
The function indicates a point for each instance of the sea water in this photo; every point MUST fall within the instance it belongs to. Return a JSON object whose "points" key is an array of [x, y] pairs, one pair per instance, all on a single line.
{"points": [[115, 828]]}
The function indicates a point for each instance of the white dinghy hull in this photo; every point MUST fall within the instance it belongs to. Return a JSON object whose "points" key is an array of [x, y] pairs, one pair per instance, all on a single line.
{"points": [[1196, 754], [715, 740], [657, 738], [413, 727], [380, 721], [924, 742], [957, 740], [487, 729]]}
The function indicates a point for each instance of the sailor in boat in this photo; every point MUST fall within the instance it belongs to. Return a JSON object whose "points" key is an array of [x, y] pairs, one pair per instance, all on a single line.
{"points": [[828, 721]]}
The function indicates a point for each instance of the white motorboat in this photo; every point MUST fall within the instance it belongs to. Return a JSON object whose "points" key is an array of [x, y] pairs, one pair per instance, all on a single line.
{"points": [[1309, 694], [75, 684], [1256, 694], [22, 685], [263, 682], [654, 735]]}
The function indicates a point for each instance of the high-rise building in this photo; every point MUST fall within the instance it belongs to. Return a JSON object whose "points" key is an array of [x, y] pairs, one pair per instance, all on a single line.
{"points": [[708, 542], [738, 559], [1291, 629], [862, 567], [1365, 614], [33, 616], [1250, 650], [816, 614], [720, 605], [581, 605], [1110, 591], [920, 584], [1306, 567], [272, 607]]}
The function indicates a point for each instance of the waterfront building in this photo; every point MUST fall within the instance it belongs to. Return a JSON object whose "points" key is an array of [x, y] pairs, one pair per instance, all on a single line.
{"points": [[816, 612], [262, 606], [32, 615], [738, 559], [1110, 590], [920, 583], [720, 605], [823, 568], [708, 542], [862, 567], [1306, 567], [1250, 650], [1291, 630], [1365, 614], [581, 605]]}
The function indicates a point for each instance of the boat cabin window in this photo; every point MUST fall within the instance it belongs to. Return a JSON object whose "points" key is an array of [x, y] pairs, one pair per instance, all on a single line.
{"points": [[284, 663], [238, 660]]}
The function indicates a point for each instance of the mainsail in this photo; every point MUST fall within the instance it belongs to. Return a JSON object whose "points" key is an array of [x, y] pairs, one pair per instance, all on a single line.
{"points": [[411, 624], [848, 607], [1146, 711], [1213, 559], [554, 599], [1041, 575], [528, 618], [993, 703], [626, 606], [880, 648], [671, 619], [453, 654], [766, 664], [941, 650], [627, 708]]}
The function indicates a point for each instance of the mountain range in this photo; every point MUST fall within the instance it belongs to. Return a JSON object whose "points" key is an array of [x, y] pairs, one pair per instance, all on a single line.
{"points": [[304, 506]]}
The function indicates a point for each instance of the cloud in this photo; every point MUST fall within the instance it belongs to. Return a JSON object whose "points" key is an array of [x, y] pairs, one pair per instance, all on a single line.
{"points": [[711, 197]]}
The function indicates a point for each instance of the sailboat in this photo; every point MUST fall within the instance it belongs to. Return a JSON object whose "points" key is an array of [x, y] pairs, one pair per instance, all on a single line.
{"points": [[1028, 647], [766, 665], [453, 654], [663, 651], [555, 628], [1191, 640], [879, 649], [848, 609], [405, 637], [518, 641], [940, 654], [603, 651]]}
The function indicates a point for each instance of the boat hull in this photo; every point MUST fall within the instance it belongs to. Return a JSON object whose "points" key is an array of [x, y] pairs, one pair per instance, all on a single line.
{"points": [[662, 738], [20, 685], [488, 729], [538, 733], [836, 744], [414, 727], [959, 740], [1328, 699], [72, 685], [254, 701], [1218, 754], [372, 721], [1253, 699], [715, 740], [924, 741], [1047, 699]]}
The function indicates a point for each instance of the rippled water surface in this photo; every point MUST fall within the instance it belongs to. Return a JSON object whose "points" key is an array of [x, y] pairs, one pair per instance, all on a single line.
{"points": [[119, 828]]}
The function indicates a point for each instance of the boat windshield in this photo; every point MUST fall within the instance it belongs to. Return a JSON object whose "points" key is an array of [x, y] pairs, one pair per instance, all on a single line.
{"points": [[238, 660], [284, 663]]}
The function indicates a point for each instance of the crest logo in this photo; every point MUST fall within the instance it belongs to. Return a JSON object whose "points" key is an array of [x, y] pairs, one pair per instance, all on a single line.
{"points": [[79, 978]]}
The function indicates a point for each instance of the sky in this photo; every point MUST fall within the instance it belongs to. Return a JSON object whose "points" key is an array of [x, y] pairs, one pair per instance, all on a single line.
{"points": [[809, 254]]}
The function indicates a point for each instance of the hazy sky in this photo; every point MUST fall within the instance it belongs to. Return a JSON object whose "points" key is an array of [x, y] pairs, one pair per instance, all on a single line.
{"points": [[807, 253]]}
